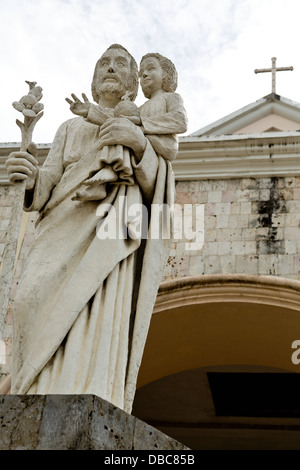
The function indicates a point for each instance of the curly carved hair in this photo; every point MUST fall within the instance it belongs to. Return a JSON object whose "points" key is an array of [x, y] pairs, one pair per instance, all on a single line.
{"points": [[132, 84], [170, 76]]}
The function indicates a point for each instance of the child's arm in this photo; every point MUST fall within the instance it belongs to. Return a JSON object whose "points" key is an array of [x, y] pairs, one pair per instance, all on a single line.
{"points": [[164, 145], [174, 121], [97, 114], [162, 130]]}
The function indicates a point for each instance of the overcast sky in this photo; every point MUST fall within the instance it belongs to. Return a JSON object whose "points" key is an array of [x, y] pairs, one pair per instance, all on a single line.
{"points": [[215, 45]]}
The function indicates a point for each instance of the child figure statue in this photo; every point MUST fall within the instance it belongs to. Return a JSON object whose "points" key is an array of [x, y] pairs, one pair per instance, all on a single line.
{"points": [[114, 161], [161, 117]]}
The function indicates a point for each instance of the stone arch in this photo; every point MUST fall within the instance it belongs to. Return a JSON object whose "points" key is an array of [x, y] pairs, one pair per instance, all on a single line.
{"points": [[222, 320]]}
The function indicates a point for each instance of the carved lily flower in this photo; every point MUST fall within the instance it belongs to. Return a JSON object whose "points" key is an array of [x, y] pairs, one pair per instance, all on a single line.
{"points": [[30, 107], [29, 104]]}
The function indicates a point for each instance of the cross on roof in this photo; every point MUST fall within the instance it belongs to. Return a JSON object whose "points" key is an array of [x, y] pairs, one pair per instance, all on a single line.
{"points": [[274, 69]]}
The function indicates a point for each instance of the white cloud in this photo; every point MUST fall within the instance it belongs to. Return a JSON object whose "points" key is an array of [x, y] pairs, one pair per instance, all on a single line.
{"points": [[215, 45]]}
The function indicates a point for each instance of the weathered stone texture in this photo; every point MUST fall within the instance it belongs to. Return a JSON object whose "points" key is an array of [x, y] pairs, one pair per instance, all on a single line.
{"points": [[74, 422], [6, 199], [251, 225]]}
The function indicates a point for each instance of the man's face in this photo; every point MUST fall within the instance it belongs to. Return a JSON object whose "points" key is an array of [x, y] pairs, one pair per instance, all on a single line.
{"points": [[113, 72]]}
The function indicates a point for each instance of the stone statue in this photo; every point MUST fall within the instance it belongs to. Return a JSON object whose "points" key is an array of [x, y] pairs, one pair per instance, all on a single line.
{"points": [[84, 303]]}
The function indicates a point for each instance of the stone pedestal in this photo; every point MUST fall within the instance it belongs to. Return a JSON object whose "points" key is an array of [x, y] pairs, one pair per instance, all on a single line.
{"points": [[74, 422]]}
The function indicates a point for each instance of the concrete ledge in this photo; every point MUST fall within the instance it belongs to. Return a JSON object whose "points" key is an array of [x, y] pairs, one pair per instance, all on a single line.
{"points": [[74, 422]]}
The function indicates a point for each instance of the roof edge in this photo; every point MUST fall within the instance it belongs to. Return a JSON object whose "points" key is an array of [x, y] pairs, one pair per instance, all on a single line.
{"points": [[252, 107]]}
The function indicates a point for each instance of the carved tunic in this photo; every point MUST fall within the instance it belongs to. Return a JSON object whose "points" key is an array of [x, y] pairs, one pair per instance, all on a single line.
{"points": [[81, 313]]}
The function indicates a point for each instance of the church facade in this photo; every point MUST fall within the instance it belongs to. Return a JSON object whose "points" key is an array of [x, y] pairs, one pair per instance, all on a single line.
{"points": [[220, 367]]}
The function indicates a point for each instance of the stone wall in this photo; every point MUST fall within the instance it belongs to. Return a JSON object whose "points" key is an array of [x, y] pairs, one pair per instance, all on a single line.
{"points": [[251, 225]]}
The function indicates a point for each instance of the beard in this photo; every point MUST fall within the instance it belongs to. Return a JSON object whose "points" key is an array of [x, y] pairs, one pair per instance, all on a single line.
{"points": [[116, 88]]}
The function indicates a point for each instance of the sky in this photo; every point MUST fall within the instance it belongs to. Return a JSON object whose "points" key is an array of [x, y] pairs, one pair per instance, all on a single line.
{"points": [[215, 45]]}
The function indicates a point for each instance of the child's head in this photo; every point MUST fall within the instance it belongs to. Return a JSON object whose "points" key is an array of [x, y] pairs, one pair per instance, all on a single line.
{"points": [[165, 73]]}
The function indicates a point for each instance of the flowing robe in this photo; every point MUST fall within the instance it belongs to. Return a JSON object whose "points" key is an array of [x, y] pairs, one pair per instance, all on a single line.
{"points": [[84, 303]]}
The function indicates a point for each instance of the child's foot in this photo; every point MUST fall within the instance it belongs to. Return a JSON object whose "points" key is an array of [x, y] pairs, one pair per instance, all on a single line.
{"points": [[105, 175]]}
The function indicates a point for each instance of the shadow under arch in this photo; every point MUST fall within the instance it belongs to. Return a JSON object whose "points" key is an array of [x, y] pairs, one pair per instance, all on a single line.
{"points": [[226, 319]]}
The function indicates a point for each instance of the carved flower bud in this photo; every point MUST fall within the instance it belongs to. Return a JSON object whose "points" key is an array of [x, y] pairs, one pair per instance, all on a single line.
{"points": [[37, 107], [28, 100], [29, 113], [37, 92], [18, 106]]}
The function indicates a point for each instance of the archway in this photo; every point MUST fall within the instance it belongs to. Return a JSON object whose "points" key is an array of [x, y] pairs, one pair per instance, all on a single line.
{"points": [[220, 323]]}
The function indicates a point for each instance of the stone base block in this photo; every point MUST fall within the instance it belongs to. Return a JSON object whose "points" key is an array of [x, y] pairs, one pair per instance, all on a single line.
{"points": [[74, 422]]}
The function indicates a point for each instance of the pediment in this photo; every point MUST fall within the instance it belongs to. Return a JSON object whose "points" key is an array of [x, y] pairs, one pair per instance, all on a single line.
{"points": [[273, 113]]}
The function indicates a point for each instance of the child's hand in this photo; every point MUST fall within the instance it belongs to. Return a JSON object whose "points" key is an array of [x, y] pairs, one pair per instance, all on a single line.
{"points": [[80, 108]]}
